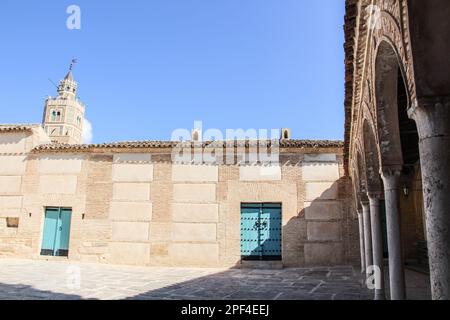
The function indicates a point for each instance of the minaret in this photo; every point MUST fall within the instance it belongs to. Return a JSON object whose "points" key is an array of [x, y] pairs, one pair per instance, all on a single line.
{"points": [[64, 114]]}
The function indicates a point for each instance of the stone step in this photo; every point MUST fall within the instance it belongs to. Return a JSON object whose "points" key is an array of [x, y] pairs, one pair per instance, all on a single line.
{"points": [[263, 265]]}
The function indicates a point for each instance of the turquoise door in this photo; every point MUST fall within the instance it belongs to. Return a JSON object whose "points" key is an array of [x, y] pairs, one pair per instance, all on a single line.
{"points": [[55, 239], [261, 231]]}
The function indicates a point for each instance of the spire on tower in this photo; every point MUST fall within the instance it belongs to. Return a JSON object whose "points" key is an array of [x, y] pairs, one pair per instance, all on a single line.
{"points": [[69, 75]]}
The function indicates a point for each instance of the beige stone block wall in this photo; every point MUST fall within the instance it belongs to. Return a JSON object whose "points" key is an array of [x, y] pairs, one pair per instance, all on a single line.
{"points": [[195, 232], [60, 164], [195, 173], [129, 172], [10, 184], [326, 210], [194, 193], [58, 184], [139, 209], [12, 165], [194, 254], [10, 202], [323, 254], [321, 190], [131, 211], [133, 158], [130, 231], [320, 171], [191, 212], [260, 173], [13, 143], [320, 157], [324, 231], [129, 253], [131, 191]]}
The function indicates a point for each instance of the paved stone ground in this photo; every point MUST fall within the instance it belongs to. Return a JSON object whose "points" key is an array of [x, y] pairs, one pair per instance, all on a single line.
{"points": [[24, 279], [55, 280]]}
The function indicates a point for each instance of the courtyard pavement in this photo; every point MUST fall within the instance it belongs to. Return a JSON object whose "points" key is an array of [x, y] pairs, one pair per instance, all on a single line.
{"points": [[62, 280]]}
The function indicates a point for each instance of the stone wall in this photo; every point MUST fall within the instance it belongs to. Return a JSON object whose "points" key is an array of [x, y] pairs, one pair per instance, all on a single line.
{"points": [[140, 209]]}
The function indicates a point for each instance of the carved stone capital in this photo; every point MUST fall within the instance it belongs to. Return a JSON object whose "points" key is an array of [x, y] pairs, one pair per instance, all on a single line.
{"points": [[432, 116], [388, 171], [374, 195], [391, 177]]}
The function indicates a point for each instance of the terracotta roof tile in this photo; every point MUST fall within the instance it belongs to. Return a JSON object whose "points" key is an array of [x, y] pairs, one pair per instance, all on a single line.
{"points": [[314, 144], [17, 127]]}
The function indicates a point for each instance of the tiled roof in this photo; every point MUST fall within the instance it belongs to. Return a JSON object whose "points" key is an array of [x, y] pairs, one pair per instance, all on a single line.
{"points": [[17, 127], [351, 8], [311, 144]]}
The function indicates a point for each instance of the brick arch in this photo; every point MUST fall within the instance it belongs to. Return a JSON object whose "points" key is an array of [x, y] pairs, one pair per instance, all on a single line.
{"points": [[387, 65], [394, 28]]}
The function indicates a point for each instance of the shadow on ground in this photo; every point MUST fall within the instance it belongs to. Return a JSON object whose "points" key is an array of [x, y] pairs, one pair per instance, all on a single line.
{"points": [[25, 292], [328, 283]]}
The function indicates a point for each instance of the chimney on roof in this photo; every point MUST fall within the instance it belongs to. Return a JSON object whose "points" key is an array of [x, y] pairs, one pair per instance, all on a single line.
{"points": [[285, 134], [196, 135]]}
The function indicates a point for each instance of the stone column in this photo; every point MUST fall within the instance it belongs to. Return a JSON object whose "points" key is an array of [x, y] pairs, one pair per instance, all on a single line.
{"points": [[391, 181], [361, 241], [367, 236], [432, 116], [377, 242]]}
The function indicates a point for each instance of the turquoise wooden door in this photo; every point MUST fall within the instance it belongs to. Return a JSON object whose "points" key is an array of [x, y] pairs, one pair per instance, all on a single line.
{"points": [[261, 231], [56, 236]]}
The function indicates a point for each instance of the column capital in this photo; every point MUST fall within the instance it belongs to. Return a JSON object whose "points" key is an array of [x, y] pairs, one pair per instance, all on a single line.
{"points": [[391, 176], [364, 199], [374, 195], [432, 116], [392, 170], [365, 204]]}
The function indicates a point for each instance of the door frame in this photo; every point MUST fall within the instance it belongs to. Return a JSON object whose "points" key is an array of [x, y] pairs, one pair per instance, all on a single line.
{"points": [[60, 209], [262, 205]]}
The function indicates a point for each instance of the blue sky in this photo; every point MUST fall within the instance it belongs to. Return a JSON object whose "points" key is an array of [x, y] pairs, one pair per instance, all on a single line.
{"points": [[148, 67]]}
